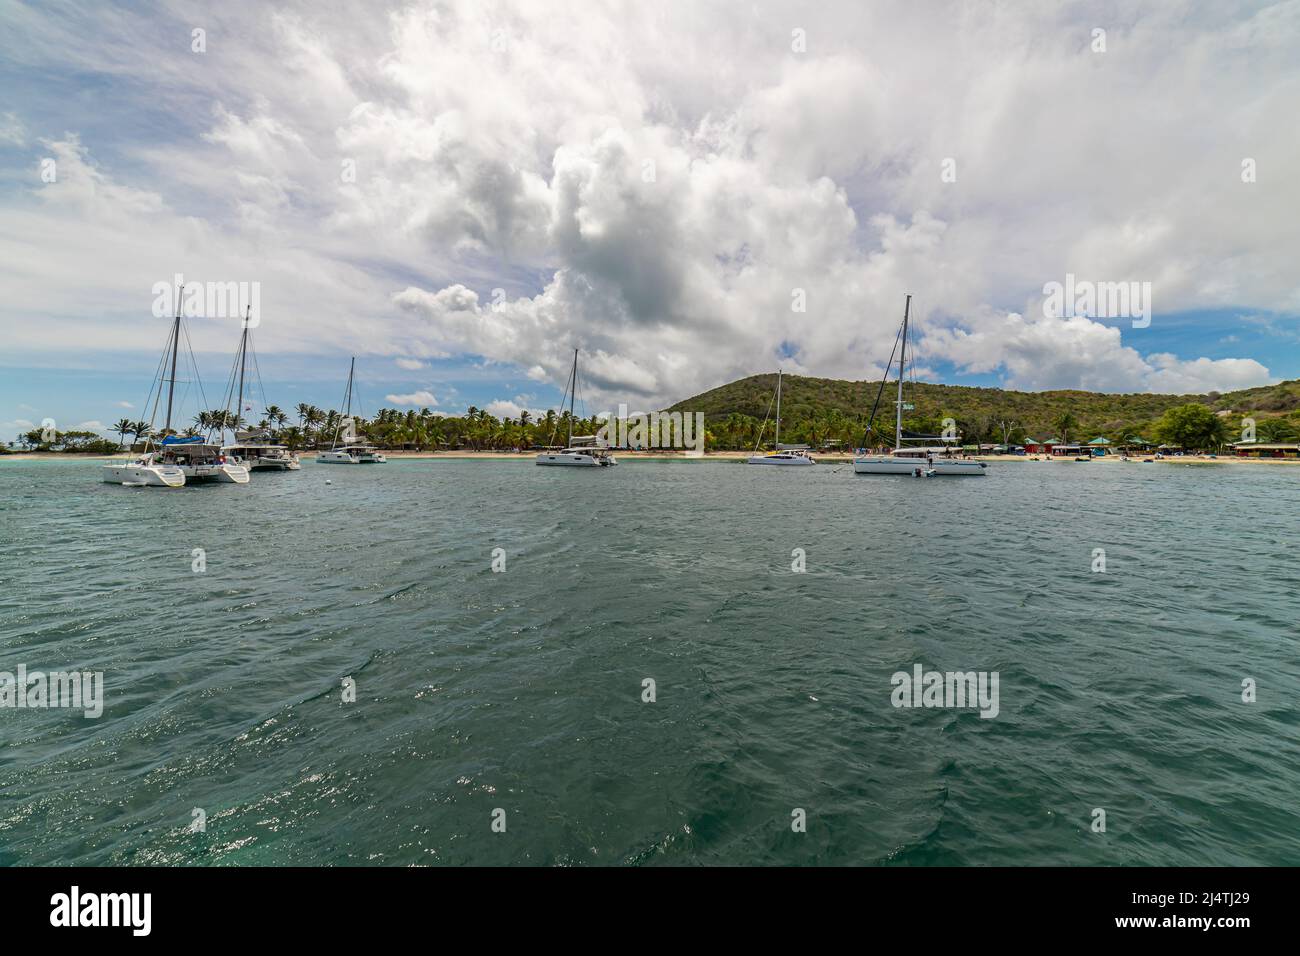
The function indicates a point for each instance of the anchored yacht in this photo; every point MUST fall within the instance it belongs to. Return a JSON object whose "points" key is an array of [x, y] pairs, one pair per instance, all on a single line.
{"points": [[350, 451], [251, 448], [910, 460], [201, 460], [783, 455], [355, 454], [582, 451], [262, 456]]}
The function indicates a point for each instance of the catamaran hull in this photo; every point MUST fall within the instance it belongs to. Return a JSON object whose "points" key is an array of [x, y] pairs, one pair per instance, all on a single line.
{"points": [[890, 466], [340, 458], [152, 476], [573, 461], [225, 474], [272, 464], [943, 466]]}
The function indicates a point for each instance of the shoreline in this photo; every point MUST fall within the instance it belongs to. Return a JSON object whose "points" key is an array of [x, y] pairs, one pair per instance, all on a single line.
{"points": [[629, 456]]}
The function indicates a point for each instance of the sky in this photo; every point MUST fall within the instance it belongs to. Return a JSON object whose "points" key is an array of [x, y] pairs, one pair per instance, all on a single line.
{"points": [[461, 193]]}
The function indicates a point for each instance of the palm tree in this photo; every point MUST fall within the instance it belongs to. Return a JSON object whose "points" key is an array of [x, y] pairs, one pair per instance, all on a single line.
{"points": [[1065, 423], [275, 415], [123, 428]]}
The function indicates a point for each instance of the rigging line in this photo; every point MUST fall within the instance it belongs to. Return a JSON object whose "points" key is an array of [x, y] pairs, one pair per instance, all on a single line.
{"points": [[189, 347], [558, 418], [257, 370], [230, 392], [883, 380], [766, 415], [157, 383]]}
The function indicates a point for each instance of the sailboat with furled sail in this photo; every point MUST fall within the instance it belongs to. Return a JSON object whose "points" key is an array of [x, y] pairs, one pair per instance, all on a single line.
{"points": [[251, 447], [919, 460], [351, 450], [580, 451], [781, 455]]}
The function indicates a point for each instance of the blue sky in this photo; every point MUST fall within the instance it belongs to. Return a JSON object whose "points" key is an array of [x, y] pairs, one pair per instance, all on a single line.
{"points": [[460, 194]]}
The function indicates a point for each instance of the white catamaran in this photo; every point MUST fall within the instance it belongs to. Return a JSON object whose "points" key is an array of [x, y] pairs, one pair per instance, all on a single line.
{"points": [[911, 460], [251, 447], [177, 460], [351, 451], [782, 455], [581, 451]]}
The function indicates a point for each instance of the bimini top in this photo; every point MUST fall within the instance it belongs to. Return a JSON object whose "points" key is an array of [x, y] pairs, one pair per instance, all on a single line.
{"points": [[177, 440]]}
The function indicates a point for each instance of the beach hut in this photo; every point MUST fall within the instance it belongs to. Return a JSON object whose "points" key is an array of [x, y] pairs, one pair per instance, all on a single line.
{"points": [[1256, 449], [1134, 444], [1098, 446], [1069, 451]]}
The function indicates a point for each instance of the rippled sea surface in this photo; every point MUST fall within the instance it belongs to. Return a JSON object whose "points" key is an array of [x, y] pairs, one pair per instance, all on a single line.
{"points": [[523, 690]]}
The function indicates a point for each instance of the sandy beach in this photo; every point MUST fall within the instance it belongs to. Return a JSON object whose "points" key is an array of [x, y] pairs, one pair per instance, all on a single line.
{"points": [[630, 456]]}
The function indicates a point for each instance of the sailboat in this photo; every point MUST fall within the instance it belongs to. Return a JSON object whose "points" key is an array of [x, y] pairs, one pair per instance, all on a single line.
{"points": [[250, 448], [781, 456], [914, 460], [581, 451], [178, 460], [351, 451]]}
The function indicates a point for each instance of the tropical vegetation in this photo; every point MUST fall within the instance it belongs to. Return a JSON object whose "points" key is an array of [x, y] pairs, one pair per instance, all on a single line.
{"points": [[815, 411]]}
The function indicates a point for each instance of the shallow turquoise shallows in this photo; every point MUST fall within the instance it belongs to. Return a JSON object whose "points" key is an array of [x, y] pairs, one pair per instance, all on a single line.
{"points": [[524, 690]]}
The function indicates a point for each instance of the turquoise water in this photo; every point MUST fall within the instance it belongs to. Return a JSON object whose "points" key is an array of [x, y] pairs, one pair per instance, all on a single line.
{"points": [[522, 690]]}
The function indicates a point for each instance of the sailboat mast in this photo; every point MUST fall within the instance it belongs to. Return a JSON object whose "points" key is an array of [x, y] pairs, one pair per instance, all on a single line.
{"points": [[778, 409], [243, 361], [347, 399], [573, 387], [902, 361], [176, 342]]}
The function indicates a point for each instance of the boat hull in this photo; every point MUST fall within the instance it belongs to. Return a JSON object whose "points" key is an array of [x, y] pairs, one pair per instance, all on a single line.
{"points": [[228, 473], [943, 466], [343, 458], [571, 460], [272, 464], [152, 476], [889, 465], [796, 461]]}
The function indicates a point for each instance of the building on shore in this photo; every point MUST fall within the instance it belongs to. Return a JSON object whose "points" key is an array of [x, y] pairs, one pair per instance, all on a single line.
{"points": [[1070, 451], [1258, 449]]}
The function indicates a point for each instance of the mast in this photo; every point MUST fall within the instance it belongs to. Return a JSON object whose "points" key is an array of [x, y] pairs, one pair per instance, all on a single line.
{"points": [[243, 361], [573, 387], [778, 410], [176, 341], [902, 360], [347, 400]]}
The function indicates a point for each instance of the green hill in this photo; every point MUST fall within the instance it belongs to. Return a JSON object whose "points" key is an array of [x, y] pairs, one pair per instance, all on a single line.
{"points": [[815, 410]]}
